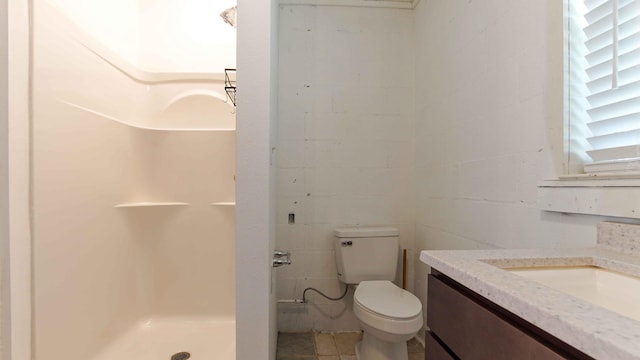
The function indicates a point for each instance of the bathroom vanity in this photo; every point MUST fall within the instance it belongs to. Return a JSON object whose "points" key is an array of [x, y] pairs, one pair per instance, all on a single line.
{"points": [[479, 305], [466, 325]]}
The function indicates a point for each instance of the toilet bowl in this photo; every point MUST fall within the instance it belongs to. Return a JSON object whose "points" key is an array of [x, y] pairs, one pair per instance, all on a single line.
{"points": [[389, 317]]}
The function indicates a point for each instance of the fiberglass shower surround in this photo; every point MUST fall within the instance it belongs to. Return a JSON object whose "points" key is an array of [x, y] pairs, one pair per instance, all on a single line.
{"points": [[133, 187]]}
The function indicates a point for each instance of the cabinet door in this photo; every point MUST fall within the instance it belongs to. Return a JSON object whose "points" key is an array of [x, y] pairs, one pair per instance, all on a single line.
{"points": [[434, 351], [472, 332]]}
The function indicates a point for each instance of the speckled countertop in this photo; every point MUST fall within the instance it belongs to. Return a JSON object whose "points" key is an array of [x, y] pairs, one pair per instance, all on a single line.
{"points": [[596, 331]]}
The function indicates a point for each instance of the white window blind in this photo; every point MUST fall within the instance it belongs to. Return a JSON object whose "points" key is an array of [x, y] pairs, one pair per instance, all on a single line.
{"points": [[611, 32]]}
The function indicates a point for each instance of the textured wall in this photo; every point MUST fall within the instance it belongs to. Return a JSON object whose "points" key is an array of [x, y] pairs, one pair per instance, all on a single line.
{"points": [[458, 170], [489, 107], [345, 145]]}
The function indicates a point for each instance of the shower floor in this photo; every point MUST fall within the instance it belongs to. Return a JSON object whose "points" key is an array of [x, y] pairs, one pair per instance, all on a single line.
{"points": [[161, 338]]}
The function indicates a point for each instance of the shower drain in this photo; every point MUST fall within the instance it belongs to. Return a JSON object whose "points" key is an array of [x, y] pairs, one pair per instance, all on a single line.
{"points": [[181, 356]]}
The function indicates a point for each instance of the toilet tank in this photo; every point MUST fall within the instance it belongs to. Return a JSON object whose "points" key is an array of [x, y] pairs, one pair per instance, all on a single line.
{"points": [[366, 253]]}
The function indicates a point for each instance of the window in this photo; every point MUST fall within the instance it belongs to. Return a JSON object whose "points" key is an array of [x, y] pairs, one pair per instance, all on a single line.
{"points": [[604, 86], [602, 112]]}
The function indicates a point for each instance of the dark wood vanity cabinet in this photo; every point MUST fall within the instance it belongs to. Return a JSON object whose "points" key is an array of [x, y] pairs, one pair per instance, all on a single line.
{"points": [[465, 325]]}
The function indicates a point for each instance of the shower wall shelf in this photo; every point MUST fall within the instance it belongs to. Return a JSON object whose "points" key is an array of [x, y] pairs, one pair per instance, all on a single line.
{"points": [[149, 204], [224, 203], [230, 84]]}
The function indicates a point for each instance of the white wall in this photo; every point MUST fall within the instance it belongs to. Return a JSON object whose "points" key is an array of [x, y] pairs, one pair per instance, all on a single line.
{"points": [[4, 180], [488, 113], [168, 35], [345, 145], [186, 36], [16, 283], [256, 331]]}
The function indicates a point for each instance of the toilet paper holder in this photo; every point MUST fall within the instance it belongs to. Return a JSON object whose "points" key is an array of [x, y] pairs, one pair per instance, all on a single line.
{"points": [[281, 258]]}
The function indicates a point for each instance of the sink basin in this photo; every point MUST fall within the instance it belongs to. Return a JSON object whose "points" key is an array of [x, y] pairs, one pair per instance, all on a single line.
{"points": [[612, 290]]}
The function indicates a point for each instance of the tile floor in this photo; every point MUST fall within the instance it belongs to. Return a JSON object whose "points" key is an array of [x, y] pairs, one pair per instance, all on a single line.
{"points": [[329, 346]]}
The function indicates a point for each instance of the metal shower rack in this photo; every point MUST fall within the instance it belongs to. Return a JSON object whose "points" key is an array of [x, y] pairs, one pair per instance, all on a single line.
{"points": [[230, 85]]}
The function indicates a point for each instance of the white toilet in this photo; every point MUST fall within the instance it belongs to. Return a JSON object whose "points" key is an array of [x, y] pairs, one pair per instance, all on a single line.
{"points": [[367, 258]]}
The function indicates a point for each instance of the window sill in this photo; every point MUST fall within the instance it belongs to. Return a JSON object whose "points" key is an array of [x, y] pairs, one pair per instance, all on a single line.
{"points": [[618, 197]]}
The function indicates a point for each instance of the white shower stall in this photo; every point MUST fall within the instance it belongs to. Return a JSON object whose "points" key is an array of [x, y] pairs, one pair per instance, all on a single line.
{"points": [[133, 180]]}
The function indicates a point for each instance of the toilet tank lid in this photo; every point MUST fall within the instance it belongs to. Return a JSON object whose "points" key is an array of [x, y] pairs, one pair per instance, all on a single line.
{"points": [[369, 231]]}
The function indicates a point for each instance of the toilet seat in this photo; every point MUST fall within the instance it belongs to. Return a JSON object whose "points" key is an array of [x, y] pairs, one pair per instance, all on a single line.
{"points": [[386, 299], [388, 308]]}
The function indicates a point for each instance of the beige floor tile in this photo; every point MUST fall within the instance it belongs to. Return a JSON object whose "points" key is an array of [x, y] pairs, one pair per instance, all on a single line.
{"points": [[295, 344], [325, 345], [334, 357], [414, 346], [346, 342], [348, 357]]}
